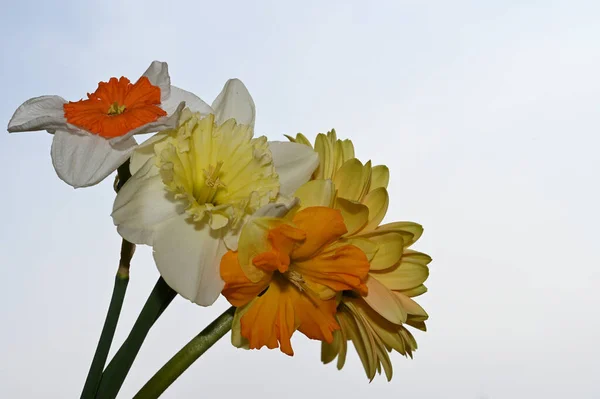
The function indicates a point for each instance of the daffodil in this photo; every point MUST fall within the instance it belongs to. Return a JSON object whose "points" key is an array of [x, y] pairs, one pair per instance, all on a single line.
{"points": [[194, 187], [286, 274], [93, 137], [373, 322]]}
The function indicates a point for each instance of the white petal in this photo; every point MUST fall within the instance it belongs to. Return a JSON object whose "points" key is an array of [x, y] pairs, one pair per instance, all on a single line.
{"points": [[158, 74], [234, 101], [193, 102], [85, 159], [143, 205], [39, 113], [144, 152], [166, 122], [188, 257], [294, 163]]}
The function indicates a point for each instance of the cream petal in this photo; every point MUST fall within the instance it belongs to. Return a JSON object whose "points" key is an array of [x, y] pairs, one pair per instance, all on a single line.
{"points": [[158, 74], [316, 193], [193, 102], [294, 163], [39, 113], [143, 205], [384, 302], [144, 152], [85, 159], [235, 102], [188, 256]]}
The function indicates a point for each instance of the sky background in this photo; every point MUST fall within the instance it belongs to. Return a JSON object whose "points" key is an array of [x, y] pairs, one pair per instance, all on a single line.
{"points": [[485, 112]]}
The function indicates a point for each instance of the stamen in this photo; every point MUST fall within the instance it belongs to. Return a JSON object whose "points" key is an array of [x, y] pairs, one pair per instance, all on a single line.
{"points": [[116, 109]]}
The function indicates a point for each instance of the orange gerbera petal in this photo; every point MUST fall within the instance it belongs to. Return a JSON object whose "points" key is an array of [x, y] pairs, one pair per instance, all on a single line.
{"points": [[339, 269], [116, 107], [239, 290], [322, 226], [273, 318]]}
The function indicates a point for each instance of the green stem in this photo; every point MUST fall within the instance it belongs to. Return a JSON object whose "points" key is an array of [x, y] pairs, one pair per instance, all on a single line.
{"points": [[116, 371], [106, 337], [186, 356]]}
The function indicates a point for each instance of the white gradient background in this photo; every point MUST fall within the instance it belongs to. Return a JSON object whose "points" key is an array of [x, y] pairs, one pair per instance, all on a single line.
{"points": [[485, 112]]}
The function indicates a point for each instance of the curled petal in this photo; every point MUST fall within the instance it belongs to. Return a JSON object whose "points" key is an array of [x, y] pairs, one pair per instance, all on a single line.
{"points": [[384, 302], [193, 102], [235, 102], [39, 113], [158, 74], [85, 159]]}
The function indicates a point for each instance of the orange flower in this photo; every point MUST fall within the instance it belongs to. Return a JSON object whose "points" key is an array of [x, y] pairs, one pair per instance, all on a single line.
{"points": [[116, 107], [285, 277]]}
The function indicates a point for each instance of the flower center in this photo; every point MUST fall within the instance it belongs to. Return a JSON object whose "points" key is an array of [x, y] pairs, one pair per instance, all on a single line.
{"points": [[220, 171], [116, 109], [103, 113]]}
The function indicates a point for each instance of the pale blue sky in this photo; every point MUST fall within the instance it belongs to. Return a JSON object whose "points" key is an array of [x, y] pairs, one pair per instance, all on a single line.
{"points": [[485, 112]]}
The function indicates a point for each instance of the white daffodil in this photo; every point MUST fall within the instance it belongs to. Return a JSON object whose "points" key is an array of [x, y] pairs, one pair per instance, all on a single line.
{"points": [[194, 186], [93, 137]]}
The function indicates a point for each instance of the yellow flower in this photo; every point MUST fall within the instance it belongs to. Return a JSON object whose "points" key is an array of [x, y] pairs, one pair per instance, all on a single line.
{"points": [[375, 322], [285, 277], [193, 187]]}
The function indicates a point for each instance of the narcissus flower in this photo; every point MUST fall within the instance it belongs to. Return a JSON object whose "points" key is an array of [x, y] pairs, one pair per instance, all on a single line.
{"points": [[285, 277], [373, 322], [193, 188], [93, 137]]}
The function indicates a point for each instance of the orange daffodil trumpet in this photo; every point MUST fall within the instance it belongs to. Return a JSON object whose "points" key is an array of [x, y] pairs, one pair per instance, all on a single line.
{"points": [[93, 137], [193, 187], [329, 268]]}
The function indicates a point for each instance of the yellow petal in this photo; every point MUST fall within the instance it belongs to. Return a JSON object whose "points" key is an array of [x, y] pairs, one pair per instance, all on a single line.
{"points": [[377, 201], [316, 193], [411, 307], [361, 340], [405, 276], [413, 292], [351, 179], [300, 138], [330, 351], [388, 247], [355, 214], [326, 161], [380, 177], [384, 302], [408, 228], [236, 330]]}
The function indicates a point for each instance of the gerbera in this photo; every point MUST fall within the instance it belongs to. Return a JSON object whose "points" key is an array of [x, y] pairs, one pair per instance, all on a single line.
{"points": [[93, 137], [373, 322], [193, 188], [285, 277]]}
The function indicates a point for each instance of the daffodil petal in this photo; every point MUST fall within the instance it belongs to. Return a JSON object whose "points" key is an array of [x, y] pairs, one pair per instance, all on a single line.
{"points": [[377, 201], [294, 163], [158, 74], [144, 152], [316, 193], [193, 102], [85, 159], [188, 256], [39, 113], [235, 102], [384, 302], [143, 205]]}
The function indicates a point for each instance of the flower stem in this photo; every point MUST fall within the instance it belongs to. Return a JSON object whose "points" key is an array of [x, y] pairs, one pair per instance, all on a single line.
{"points": [[106, 337], [186, 356], [118, 368]]}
